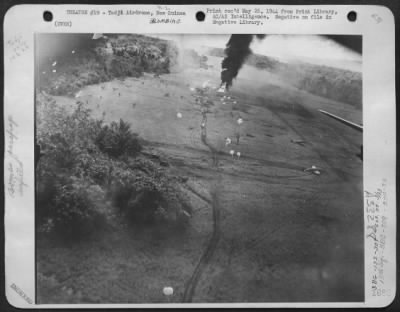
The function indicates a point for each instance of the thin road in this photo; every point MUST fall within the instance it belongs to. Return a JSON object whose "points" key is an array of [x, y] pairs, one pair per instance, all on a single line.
{"points": [[205, 258], [207, 254]]}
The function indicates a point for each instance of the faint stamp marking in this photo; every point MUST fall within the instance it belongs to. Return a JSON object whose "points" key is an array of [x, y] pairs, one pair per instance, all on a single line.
{"points": [[18, 46], [20, 292], [377, 18]]}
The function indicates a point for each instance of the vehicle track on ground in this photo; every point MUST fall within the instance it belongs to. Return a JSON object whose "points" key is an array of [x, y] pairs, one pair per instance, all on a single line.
{"points": [[205, 258]]}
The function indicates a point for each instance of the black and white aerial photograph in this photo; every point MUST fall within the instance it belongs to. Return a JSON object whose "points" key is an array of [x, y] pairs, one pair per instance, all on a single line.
{"points": [[185, 168]]}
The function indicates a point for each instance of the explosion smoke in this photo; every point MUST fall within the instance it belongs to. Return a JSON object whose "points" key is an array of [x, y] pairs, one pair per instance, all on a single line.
{"points": [[236, 51]]}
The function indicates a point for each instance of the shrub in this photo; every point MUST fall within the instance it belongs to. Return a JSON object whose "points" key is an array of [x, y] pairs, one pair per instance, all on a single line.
{"points": [[65, 207], [74, 213], [117, 139], [64, 137], [134, 193], [142, 205], [62, 153], [46, 191], [137, 198], [94, 166], [80, 154], [145, 193], [132, 55], [70, 157], [122, 66]]}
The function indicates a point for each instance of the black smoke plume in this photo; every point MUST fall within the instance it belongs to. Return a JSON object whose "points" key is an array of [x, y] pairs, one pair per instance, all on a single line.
{"points": [[236, 51]]}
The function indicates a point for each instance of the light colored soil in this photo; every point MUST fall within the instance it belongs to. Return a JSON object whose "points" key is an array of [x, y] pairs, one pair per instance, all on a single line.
{"points": [[284, 234]]}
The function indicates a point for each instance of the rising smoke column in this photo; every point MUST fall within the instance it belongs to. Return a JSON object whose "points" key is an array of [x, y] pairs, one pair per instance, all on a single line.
{"points": [[236, 51]]}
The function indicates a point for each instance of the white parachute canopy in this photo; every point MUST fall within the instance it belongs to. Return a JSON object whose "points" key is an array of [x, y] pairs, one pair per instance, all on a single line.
{"points": [[168, 291], [222, 89], [205, 84], [97, 36]]}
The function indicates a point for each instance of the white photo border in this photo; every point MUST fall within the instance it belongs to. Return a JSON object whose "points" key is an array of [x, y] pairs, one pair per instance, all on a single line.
{"points": [[376, 26]]}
